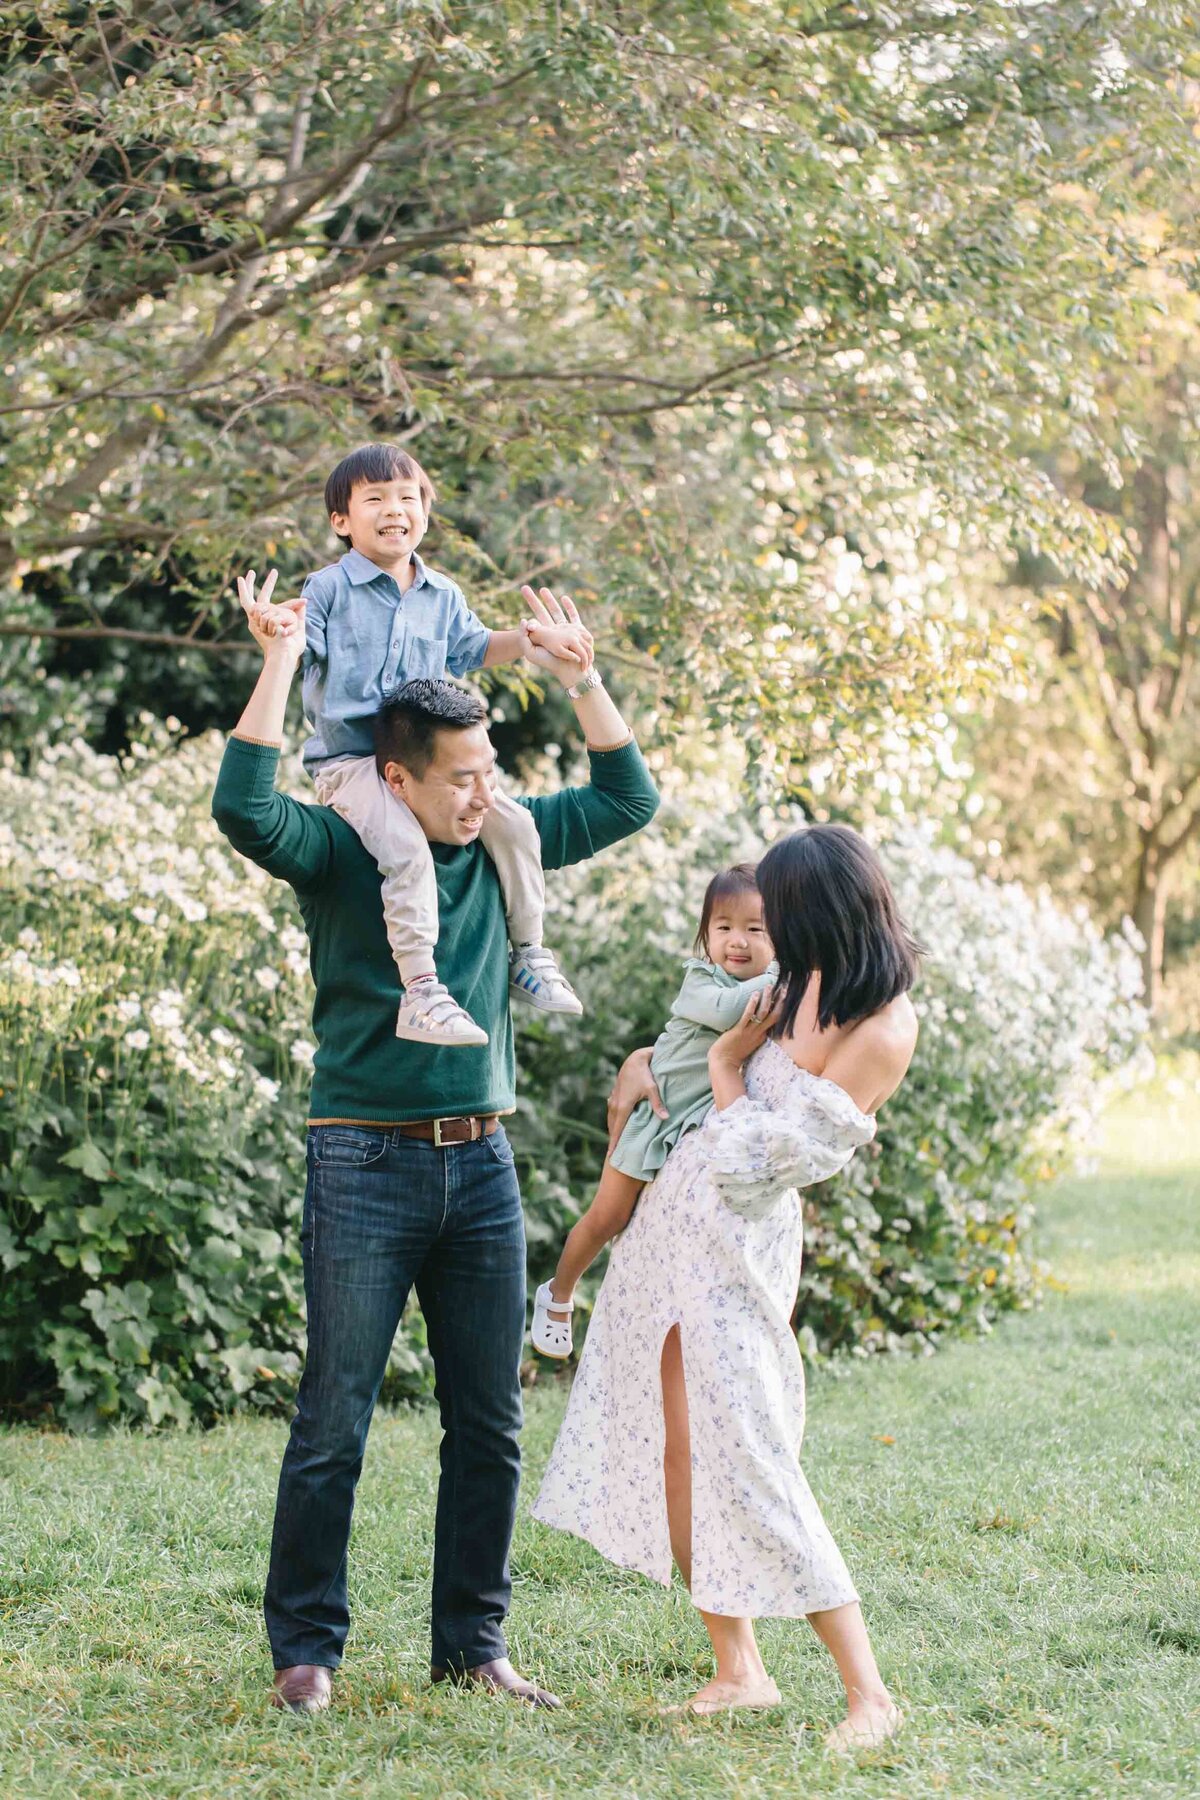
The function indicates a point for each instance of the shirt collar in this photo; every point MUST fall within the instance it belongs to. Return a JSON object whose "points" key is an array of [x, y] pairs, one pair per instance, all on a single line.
{"points": [[360, 569]]}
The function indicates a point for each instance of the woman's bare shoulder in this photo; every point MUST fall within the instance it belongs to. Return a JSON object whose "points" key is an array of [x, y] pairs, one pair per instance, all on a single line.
{"points": [[872, 1059], [893, 1027]]}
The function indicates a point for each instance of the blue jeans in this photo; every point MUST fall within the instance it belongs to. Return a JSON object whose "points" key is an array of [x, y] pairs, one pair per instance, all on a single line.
{"points": [[384, 1213]]}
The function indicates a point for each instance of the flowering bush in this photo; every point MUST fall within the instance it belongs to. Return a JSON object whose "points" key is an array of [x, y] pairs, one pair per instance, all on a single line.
{"points": [[154, 1051]]}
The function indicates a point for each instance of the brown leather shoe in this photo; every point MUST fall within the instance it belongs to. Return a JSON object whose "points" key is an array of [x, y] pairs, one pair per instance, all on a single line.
{"points": [[499, 1677], [304, 1688]]}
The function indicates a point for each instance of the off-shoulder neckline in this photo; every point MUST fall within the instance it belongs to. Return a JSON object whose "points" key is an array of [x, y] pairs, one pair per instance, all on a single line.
{"points": [[823, 1081]]}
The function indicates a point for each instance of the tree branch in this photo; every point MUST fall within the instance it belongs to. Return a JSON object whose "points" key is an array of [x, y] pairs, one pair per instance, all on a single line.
{"points": [[1170, 847], [164, 639], [706, 384], [1089, 640], [278, 221]]}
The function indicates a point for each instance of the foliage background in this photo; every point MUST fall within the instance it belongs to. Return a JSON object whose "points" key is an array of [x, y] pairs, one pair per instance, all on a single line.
{"points": [[156, 1050], [841, 361]]}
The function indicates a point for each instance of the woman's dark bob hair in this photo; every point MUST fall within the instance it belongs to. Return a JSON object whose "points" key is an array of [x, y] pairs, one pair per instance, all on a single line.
{"points": [[828, 908]]}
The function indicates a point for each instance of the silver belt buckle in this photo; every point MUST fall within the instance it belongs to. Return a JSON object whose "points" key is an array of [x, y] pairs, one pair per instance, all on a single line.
{"points": [[442, 1144]]}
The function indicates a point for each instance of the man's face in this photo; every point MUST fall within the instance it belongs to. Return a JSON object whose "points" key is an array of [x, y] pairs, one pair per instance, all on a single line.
{"points": [[385, 520], [456, 792]]}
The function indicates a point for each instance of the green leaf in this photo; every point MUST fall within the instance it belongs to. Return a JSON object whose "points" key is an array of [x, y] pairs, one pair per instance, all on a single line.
{"points": [[89, 1159]]}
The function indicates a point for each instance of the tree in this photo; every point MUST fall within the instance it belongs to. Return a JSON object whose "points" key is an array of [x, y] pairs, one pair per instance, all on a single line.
{"points": [[1095, 775], [616, 268]]}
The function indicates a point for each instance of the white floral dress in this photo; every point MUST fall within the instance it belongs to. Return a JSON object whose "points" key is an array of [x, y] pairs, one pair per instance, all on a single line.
{"points": [[715, 1247]]}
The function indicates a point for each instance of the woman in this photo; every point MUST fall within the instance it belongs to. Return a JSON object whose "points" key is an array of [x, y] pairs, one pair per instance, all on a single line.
{"points": [[687, 1411]]}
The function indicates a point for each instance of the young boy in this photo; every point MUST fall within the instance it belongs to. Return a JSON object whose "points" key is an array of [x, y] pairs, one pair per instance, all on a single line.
{"points": [[376, 618]]}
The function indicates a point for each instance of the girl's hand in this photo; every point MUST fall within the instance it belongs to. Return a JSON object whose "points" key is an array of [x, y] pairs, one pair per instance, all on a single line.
{"points": [[735, 1046]]}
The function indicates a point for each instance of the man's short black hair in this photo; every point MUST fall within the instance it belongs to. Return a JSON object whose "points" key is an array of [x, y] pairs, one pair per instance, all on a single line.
{"points": [[406, 726], [374, 462]]}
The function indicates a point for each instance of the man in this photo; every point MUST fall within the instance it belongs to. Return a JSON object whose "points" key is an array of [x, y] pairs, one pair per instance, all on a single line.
{"points": [[410, 1176]]}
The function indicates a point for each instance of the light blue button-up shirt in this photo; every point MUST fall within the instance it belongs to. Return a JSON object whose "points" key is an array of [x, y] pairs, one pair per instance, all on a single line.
{"points": [[364, 638]]}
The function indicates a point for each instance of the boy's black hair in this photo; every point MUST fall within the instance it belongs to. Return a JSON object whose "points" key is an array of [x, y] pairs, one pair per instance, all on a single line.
{"points": [[406, 726], [828, 906], [374, 462], [740, 879]]}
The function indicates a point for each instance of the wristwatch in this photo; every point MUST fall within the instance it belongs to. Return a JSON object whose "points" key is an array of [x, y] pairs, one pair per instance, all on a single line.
{"points": [[593, 679]]}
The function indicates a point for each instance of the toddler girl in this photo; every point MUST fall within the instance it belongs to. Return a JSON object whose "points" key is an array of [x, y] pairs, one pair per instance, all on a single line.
{"points": [[733, 961]]}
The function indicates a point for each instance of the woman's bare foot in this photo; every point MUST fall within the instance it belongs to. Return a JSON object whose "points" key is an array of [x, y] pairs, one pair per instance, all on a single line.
{"points": [[728, 1696], [868, 1724]]}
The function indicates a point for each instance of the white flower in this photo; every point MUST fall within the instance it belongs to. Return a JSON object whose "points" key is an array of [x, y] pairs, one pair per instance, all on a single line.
{"points": [[128, 1009], [137, 1040], [265, 1088], [145, 915], [303, 1052], [267, 978]]}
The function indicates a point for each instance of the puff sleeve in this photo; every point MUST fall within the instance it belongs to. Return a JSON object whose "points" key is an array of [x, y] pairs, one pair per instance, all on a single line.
{"points": [[756, 1154]]}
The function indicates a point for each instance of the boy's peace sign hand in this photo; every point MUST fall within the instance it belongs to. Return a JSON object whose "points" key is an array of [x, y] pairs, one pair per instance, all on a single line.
{"points": [[279, 625], [558, 638]]}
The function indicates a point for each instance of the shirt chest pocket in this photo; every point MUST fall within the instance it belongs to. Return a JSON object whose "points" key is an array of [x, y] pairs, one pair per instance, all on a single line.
{"points": [[416, 656]]}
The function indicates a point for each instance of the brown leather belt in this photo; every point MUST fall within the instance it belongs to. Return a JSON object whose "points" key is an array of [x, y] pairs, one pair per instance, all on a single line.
{"points": [[451, 1131]]}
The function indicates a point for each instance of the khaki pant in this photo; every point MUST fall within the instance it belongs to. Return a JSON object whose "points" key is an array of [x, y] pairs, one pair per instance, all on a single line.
{"points": [[389, 830]]}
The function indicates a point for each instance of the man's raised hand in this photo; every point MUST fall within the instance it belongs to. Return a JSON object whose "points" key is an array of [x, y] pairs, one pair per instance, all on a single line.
{"points": [[559, 640]]}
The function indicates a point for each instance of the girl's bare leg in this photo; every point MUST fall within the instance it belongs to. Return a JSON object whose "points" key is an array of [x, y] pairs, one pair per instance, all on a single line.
{"points": [[871, 1713], [609, 1213], [741, 1679]]}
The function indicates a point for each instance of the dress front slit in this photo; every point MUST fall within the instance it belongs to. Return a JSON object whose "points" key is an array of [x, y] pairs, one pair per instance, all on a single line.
{"points": [[726, 1273]]}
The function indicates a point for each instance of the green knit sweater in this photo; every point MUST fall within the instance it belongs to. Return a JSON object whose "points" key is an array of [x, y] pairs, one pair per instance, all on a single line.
{"points": [[363, 1072]]}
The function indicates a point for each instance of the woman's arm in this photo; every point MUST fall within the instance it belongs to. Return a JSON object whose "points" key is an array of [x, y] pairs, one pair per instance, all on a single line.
{"points": [[634, 1082]]}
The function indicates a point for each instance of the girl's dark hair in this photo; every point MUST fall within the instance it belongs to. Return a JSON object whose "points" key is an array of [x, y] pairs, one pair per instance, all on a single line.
{"points": [[738, 880], [374, 462], [828, 907]]}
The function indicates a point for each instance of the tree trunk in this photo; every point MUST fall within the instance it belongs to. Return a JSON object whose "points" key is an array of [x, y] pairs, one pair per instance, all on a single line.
{"points": [[1149, 915]]}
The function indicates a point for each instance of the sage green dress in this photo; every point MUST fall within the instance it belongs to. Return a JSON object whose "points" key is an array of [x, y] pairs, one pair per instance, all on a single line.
{"points": [[710, 1002]]}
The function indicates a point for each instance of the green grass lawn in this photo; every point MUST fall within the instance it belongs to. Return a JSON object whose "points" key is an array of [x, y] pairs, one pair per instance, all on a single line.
{"points": [[1021, 1513]]}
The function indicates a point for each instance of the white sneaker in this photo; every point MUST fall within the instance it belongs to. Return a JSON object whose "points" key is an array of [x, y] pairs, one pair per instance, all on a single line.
{"points": [[552, 1337], [429, 1014], [533, 975]]}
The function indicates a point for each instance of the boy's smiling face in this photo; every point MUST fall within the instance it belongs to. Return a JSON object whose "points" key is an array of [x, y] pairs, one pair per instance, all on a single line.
{"points": [[385, 520]]}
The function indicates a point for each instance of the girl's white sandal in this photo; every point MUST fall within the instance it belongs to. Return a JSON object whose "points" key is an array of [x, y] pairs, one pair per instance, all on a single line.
{"points": [[552, 1337]]}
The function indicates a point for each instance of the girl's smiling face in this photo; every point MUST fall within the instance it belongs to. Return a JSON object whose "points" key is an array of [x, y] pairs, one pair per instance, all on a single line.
{"points": [[736, 938]]}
